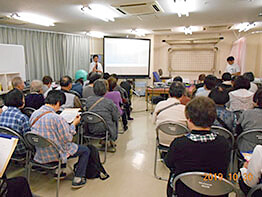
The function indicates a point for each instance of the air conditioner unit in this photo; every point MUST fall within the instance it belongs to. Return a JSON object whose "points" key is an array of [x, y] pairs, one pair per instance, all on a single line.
{"points": [[143, 8]]}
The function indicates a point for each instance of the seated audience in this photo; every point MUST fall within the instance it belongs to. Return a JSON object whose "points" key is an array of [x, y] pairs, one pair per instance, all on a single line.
{"points": [[170, 110], [78, 86], [115, 96], [209, 83], [201, 150], [225, 118], [250, 76], [35, 99], [106, 76], [240, 98], [201, 79], [13, 118], [105, 108], [88, 90], [18, 83], [47, 123], [252, 168], [251, 118], [47, 81], [226, 84], [72, 101]]}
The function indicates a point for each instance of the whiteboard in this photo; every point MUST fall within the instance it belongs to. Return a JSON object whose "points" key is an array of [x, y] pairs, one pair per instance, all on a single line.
{"points": [[12, 59]]}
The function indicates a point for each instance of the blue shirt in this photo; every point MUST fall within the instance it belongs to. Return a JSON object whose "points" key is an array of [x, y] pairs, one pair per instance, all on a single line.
{"points": [[14, 119]]}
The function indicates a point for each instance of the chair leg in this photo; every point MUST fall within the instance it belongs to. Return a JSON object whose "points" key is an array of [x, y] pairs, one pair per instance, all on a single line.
{"points": [[28, 172], [105, 149], [58, 178], [155, 166]]}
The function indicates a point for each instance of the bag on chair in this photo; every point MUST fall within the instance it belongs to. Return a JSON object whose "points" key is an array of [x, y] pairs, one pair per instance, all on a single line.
{"points": [[95, 168]]}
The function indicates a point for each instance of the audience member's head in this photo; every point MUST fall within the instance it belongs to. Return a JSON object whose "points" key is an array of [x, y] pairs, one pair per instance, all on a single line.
{"points": [[177, 89], [226, 76], [160, 72], [258, 98], [14, 98], [219, 96], [18, 83], [93, 77], [201, 77], [230, 60], [178, 78], [100, 87], [241, 83], [55, 98], [210, 82], [66, 83], [201, 113], [47, 80], [112, 82], [106, 76], [115, 76], [36, 86], [249, 75]]}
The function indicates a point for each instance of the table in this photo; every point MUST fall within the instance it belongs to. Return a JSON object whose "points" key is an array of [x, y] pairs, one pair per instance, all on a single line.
{"points": [[154, 91]]}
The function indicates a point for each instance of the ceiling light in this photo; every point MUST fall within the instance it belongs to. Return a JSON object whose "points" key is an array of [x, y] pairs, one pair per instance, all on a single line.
{"points": [[187, 30], [139, 32], [95, 34], [181, 7], [33, 18], [99, 11], [244, 26]]}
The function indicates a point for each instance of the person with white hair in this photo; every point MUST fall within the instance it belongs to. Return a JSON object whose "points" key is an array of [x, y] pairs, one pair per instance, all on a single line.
{"points": [[35, 99]]}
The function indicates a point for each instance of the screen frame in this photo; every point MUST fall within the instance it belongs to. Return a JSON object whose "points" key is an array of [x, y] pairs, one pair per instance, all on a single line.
{"points": [[129, 76]]}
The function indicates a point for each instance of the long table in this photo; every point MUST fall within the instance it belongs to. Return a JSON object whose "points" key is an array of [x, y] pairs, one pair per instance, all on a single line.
{"points": [[153, 91]]}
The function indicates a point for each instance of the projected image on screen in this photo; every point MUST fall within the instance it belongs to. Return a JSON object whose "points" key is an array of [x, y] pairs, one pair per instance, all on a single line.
{"points": [[127, 57]]}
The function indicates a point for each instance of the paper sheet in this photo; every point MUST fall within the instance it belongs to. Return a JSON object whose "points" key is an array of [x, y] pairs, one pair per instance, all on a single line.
{"points": [[69, 114]]}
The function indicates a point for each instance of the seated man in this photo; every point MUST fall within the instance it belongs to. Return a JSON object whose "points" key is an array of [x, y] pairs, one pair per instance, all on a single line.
{"points": [[47, 123], [35, 99], [13, 118], [105, 108], [226, 84], [88, 90], [170, 110], [225, 118], [209, 83], [250, 76], [72, 101], [18, 83], [201, 150], [78, 86], [47, 81]]}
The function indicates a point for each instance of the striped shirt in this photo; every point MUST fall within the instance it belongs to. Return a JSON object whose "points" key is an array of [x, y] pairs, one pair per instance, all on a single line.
{"points": [[55, 128], [14, 119]]}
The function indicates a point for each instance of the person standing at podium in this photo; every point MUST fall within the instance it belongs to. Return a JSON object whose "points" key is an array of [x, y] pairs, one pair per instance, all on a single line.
{"points": [[95, 66]]}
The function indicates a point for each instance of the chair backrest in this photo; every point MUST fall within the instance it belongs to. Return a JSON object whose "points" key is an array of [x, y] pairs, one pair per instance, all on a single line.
{"points": [[28, 111], [93, 118], [75, 93], [8, 131], [83, 101], [257, 191], [251, 137], [205, 183], [172, 128], [224, 132]]}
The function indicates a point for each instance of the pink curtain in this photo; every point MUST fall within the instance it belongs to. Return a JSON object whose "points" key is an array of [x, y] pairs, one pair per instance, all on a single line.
{"points": [[238, 51]]}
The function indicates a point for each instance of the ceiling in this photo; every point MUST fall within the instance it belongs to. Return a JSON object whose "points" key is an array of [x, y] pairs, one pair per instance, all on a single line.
{"points": [[70, 19]]}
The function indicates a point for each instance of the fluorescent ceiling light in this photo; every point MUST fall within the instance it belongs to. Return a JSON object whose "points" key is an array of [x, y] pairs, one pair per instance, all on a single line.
{"points": [[139, 32], [95, 34], [182, 7], [245, 26], [99, 11], [33, 18], [187, 30]]}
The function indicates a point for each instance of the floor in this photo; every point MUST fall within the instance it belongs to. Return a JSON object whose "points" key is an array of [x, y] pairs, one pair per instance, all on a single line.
{"points": [[130, 168]]}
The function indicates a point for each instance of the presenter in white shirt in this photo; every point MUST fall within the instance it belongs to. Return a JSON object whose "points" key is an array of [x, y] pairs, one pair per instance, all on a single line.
{"points": [[232, 68], [95, 66]]}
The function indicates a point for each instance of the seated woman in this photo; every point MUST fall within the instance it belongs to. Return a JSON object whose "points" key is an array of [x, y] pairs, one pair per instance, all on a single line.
{"points": [[115, 96], [201, 150], [14, 119], [225, 118], [35, 99], [105, 108], [251, 172], [240, 98]]}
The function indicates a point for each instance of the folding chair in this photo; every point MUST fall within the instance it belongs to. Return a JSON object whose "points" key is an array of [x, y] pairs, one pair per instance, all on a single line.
{"points": [[255, 191], [28, 111], [247, 141], [170, 128], [75, 93], [83, 102], [231, 140], [91, 118], [205, 183], [38, 141], [8, 131]]}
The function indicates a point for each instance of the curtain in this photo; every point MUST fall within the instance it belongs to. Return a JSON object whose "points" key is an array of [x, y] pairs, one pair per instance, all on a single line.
{"points": [[49, 53], [238, 51]]}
